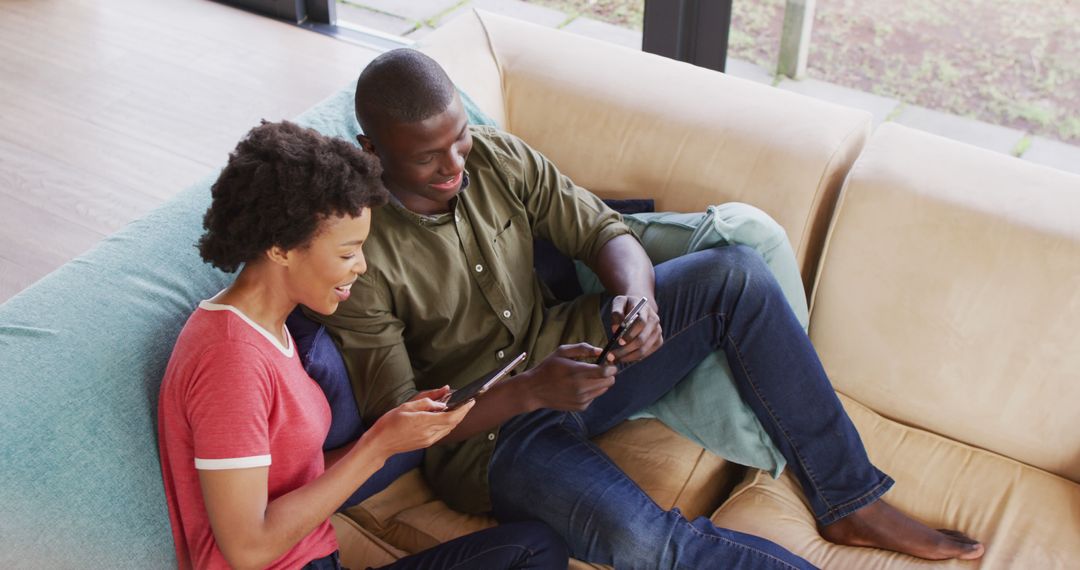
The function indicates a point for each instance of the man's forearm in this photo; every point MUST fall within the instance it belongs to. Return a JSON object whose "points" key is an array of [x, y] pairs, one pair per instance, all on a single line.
{"points": [[624, 268]]}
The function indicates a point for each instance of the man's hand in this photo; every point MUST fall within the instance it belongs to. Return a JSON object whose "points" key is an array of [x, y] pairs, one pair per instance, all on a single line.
{"points": [[644, 337], [567, 379]]}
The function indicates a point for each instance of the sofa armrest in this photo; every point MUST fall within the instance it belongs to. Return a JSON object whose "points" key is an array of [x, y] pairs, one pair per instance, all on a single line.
{"points": [[949, 296]]}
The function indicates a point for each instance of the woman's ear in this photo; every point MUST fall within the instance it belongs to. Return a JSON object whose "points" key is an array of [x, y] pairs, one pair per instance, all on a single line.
{"points": [[278, 255]]}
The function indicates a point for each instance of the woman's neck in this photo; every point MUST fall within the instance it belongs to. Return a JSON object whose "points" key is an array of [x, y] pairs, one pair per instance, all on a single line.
{"points": [[261, 296]]}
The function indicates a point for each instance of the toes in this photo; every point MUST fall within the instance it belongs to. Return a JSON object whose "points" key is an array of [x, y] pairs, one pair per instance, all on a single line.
{"points": [[976, 551], [957, 536], [970, 549]]}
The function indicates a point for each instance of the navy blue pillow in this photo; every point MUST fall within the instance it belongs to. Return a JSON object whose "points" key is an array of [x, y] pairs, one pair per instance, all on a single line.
{"points": [[322, 361], [324, 364], [557, 270]]}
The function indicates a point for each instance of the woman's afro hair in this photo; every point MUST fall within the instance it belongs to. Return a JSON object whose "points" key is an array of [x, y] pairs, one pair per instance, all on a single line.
{"points": [[280, 183]]}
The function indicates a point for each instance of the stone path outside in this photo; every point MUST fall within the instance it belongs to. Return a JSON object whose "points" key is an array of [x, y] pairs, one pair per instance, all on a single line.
{"points": [[413, 19]]}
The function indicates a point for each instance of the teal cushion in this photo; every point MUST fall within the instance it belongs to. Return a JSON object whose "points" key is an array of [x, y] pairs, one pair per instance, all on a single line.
{"points": [[82, 353], [706, 407]]}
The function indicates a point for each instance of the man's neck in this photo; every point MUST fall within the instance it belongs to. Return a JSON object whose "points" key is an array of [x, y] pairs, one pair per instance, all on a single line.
{"points": [[419, 205]]}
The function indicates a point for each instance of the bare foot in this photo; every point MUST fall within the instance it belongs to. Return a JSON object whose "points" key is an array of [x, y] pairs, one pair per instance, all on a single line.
{"points": [[880, 525]]}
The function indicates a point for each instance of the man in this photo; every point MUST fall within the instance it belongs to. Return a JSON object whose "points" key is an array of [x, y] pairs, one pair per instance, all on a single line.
{"points": [[452, 294]]}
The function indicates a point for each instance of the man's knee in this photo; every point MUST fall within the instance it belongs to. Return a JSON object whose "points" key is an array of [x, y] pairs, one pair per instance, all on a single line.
{"points": [[546, 548], [744, 257], [737, 264], [731, 275]]}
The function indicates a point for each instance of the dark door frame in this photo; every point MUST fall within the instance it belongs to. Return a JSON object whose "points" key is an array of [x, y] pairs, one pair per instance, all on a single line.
{"points": [[694, 31], [295, 11]]}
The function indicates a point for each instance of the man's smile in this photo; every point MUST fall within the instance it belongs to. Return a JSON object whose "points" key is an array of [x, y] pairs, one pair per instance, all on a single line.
{"points": [[450, 183]]}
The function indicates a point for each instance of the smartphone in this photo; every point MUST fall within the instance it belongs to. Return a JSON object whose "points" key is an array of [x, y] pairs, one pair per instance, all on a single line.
{"points": [[627, 322], [473, 389]]}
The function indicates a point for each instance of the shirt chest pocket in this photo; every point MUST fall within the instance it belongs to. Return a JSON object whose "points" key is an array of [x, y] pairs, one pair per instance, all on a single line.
{"points": [[513, 247]]}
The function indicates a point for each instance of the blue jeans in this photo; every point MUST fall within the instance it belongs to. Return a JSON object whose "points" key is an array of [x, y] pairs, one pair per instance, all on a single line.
{"points": [[518, 546], [545, 468]]}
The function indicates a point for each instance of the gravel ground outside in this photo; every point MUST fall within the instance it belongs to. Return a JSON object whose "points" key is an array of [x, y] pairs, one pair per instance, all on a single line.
{"points": [[1008, 62]]}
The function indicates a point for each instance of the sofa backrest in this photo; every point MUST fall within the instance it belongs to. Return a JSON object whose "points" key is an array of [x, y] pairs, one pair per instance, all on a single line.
{"points": [[628, 124], [949, 296], [82, 353]]}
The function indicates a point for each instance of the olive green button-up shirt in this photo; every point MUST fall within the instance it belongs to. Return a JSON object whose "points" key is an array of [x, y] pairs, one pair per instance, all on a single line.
{"points": [[448, 298]]}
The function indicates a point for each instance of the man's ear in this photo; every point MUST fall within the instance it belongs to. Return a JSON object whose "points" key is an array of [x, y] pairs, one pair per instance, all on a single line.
{"points": [[365, 143]]}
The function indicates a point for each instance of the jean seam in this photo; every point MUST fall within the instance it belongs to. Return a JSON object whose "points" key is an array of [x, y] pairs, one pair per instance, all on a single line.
{"points": [[598, 453], [738, 544], [577, 418], [603, 456], [772, 415], [672, 337], [489, 550], [840, 511]]}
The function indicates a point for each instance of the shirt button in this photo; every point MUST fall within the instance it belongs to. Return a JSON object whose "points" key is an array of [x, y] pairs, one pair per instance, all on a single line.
{"points": [[479, 268], [500, 354], [506, 314], [491, 437]]}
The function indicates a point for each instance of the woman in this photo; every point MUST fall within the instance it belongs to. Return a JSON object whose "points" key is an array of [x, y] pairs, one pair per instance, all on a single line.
{"points": [[241, 425]]}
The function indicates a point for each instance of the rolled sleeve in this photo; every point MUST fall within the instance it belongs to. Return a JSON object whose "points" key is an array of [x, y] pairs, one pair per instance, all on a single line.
{"points": [[573, 219]]}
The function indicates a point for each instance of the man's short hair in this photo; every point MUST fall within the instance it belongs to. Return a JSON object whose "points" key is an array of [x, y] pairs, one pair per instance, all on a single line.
{"points": [[401, 86]]}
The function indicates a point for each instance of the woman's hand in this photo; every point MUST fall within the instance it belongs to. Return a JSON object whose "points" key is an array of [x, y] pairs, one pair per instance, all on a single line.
{"points": [[416, 424], [253, 531]]}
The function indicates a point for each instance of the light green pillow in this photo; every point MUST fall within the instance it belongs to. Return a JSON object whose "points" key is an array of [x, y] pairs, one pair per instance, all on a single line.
{"points": [[706, 406]]}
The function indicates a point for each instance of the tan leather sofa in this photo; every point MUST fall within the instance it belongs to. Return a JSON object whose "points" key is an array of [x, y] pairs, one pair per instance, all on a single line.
{"points": [[945, 299]]}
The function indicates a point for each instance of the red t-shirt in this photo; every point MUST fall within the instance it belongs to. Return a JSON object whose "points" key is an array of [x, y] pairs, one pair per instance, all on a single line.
{"points": [[234, 398]]}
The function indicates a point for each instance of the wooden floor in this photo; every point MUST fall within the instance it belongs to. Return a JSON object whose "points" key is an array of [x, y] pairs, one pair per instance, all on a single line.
{"points": [[109, 107]]}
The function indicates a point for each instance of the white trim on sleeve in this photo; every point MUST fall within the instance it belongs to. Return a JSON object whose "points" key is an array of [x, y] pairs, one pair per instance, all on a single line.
{"points": [[232, 463]]}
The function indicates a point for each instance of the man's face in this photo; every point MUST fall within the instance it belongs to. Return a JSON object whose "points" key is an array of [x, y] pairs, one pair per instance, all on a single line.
{"points": [[423, 162]]}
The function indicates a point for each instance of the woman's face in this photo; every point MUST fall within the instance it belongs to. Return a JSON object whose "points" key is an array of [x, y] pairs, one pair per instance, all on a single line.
{"points": [[321, 274]]}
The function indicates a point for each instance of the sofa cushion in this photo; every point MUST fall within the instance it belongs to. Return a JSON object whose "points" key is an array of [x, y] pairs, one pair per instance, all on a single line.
{"points": [[1027, 518], [83, 352], [322, 361], [358, 547], [674, 471], [949, 296]]}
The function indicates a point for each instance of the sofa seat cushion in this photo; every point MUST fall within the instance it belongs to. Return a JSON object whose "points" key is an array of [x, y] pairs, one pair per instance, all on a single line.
{"points": [[1028, 518], [674, 471], [359, 548]]}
